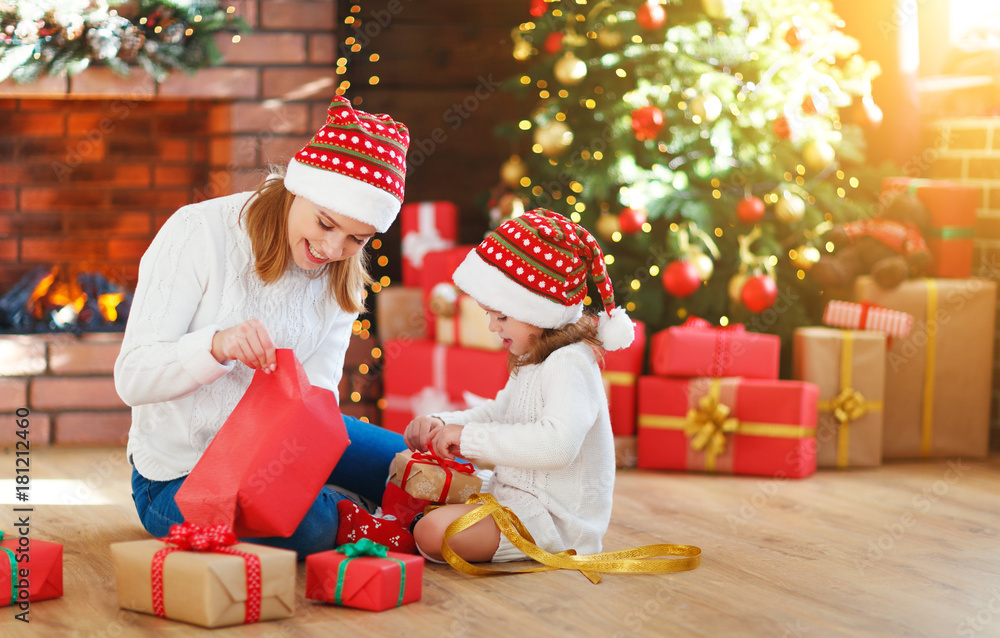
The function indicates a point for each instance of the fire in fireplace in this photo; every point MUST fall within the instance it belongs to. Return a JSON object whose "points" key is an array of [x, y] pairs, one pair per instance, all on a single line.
{"points": [[58, 300]]}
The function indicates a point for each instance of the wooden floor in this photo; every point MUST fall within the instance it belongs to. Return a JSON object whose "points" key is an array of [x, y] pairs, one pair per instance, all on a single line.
{"points": [[908, 549]]}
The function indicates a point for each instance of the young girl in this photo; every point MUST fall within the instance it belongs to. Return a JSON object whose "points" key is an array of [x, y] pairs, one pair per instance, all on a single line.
{"points": [[227, 281], [547, 432]]}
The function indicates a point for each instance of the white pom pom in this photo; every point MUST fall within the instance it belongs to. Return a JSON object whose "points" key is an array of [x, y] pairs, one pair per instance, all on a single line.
{"points": [[616, 331]]}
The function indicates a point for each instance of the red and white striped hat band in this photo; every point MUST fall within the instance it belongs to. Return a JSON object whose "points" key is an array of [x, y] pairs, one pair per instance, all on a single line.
{"points": [[534, 268], [355, 165]]}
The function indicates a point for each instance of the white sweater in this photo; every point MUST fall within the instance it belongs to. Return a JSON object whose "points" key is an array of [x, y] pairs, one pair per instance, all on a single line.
{"points": [[549, 435], [198, 278]]}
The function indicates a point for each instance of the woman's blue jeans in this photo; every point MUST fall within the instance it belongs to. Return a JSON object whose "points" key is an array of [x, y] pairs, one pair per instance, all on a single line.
{"points": [[363, 469]]}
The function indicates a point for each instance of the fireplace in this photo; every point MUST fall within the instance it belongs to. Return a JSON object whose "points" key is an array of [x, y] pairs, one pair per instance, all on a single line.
{"points": [[91, 167]]}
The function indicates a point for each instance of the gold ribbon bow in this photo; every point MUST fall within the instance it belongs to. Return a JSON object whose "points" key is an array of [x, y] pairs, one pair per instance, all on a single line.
{"points": [[709, 423], [849, 406], [634, 560]]}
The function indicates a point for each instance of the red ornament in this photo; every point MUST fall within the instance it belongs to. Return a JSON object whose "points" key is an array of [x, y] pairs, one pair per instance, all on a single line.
{"points": [[630, 220], [538, 8], [796, 36], [759, 293], [651, 15], [816, 104], [553, 43], [750, 209], [782, 128], [647, 122], [681, 278]]}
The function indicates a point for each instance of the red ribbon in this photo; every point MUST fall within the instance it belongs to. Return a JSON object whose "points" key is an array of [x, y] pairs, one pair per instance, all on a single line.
{"points": [[430, 458], [216, 539], [863, 320], [721, 340]]}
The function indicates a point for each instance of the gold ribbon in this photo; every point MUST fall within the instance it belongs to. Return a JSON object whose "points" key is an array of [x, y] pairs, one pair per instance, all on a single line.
{"points": [[615, 377], [927, 423], [634, 560], [708, 425], [848, 406]]}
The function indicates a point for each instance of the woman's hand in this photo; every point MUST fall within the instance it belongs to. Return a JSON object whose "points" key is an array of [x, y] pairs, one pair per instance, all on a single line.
{"points": [[248, 342], [417, 435], [445, 441]]}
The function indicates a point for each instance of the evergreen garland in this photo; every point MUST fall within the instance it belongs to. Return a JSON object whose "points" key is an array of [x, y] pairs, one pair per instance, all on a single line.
{"points": [[63, 37]]}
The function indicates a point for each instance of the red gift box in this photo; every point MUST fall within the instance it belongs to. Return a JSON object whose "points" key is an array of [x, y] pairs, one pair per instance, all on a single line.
{"points": [[621, 373], [736, 426], [697, 349], [952, 207], [364, 575], [271, 458], [439, 266], [423, 377], [37, 563], [426, 227]]}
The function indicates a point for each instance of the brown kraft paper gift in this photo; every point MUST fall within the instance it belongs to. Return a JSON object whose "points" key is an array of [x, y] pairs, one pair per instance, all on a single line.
{"points": [[937, 395], [849, 368]]}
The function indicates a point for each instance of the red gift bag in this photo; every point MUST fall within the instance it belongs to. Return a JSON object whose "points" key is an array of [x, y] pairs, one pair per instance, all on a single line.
{"points": [[269, 461]]}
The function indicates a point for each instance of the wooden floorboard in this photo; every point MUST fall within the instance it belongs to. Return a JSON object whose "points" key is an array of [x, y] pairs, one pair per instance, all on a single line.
{"points": [[908, 549]]}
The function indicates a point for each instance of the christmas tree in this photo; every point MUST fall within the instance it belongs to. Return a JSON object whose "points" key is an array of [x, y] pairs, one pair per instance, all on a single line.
{"points": [[708, 143]]}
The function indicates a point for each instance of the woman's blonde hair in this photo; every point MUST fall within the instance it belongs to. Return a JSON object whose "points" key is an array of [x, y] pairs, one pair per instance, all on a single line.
{"points": [[265, 217], [551, 339]]}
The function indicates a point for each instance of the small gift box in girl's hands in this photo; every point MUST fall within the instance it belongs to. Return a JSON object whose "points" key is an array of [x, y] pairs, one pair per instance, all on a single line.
{"points": [[364, 575], [426, 476], [30, 570], [205, 576]]}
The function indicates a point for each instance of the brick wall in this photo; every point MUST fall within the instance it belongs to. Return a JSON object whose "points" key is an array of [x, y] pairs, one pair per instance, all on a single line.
{"points": [[92, 165], [968, 150]]}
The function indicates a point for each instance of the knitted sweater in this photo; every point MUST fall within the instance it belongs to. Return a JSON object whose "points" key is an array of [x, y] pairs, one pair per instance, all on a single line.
{"points": [[197, 278], [549, 435]]}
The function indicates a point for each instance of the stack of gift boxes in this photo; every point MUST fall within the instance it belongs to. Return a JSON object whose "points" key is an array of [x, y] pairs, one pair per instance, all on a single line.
{"points": [[438, 351]]}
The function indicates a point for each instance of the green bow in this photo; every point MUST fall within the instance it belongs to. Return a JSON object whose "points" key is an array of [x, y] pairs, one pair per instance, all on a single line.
{"points": [[13, 571], [364, 547]]}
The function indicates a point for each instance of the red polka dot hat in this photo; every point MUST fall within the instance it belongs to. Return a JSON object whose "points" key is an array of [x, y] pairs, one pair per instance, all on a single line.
{"points": [[355, 165], [534, 268]]}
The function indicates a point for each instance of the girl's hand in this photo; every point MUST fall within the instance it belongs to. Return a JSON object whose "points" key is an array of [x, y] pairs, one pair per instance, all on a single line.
{"points": [[417, 435], [445, 441], [248, 342]]}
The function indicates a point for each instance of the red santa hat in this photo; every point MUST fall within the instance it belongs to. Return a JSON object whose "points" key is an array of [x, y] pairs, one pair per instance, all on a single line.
{"points": [[355, 165], [534, 268]]}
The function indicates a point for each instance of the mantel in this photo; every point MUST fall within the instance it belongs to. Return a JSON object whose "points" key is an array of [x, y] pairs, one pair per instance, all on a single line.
{"points": [[102, 83]]}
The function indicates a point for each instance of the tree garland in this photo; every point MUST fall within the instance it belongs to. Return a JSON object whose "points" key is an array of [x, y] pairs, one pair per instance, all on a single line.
{"points": [[57, 37]]}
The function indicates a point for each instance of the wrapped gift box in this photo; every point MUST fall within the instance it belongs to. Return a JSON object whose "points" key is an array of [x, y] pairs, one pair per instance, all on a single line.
{"points": [[938, 380], [373, 582], [697, 349], [425, 227], [204, 588], [848, 366], [865, 316], [469, 327], [44, 564], [426, 476], [423, 377], [438, 268], [399, 313], [621, 375], [952, 208], [731, 425]]}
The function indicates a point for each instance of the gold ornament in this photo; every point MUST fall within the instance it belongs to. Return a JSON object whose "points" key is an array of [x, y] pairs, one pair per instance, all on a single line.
{"points": [[701, 262], [569, 69], [708, 107], [804, 256], [818, 154], [790, 208], [522, 48], [510, 206], [443, 299], [736, 288], [512, 171], [721, 9], [609, 37], [607, 225], [554, 137]]}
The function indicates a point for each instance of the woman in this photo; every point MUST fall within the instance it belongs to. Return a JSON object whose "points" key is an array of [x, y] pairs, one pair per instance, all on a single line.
{"points": [[227, 281]]}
